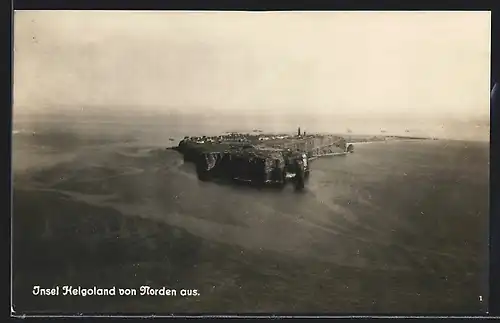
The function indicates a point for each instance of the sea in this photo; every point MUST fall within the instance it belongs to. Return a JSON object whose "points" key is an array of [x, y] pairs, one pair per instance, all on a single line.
{"points": [[397, 227]]}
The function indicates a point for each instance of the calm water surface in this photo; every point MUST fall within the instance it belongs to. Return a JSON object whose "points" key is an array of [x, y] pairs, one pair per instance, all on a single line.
{"points": [[396, 227]]}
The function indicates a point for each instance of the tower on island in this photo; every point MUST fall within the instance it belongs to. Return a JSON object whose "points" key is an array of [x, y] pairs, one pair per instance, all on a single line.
{"points": [[298, 132]]}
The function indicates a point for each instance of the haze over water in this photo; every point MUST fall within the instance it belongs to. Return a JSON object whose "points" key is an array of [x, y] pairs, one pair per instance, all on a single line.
{"points": [[395, 227], [417, 69]]}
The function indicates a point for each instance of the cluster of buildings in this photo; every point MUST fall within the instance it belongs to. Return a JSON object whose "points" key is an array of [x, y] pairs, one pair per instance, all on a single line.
{"points": [[235, 138], [215, 139], [301, 141]]}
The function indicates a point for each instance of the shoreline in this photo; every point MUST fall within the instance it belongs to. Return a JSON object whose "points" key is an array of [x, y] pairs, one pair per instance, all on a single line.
{"points": [[390, 140]]}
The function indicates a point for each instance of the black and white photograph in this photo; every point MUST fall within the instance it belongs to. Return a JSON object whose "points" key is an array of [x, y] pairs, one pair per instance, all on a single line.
{"points": [[250, 162]]}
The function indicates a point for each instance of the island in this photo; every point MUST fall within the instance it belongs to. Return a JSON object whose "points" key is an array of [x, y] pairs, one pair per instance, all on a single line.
{"points": [[264, 159], [258, 158]]}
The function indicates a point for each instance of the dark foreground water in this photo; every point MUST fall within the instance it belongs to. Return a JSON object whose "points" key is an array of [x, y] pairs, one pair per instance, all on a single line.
{"points": [[399, 227]]}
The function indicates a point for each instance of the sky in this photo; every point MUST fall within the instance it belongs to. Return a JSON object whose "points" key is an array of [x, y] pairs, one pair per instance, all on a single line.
{"points": [[352, 64]]}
